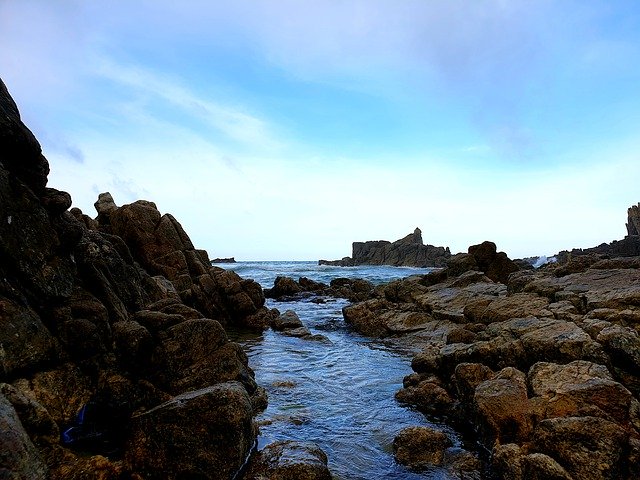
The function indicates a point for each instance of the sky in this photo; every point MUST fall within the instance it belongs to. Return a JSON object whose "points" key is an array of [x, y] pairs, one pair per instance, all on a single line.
{"points": [[287, 129]]}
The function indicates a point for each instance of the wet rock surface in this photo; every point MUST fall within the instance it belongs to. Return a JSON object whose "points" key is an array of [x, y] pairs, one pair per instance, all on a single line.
{"points": [[289, 460]]}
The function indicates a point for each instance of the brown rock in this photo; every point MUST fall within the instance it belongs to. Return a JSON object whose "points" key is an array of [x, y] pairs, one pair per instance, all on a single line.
{"points": [[502, 408], [428, 397], [468, 376], [134, 346], [420, 447], [206, 433], [287, 320], [579, 388], [157, 321], [62, 391], [289, 460], [519, 305], [508, 462], [538, 466], [589, 448], [196, 353]]}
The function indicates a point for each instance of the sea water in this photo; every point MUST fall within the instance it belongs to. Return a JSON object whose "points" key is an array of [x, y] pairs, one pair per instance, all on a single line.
{"points": [[339, 392]]}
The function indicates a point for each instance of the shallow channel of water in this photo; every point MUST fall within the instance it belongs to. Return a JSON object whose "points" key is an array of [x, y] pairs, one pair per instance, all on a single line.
{"points": [[337, 392]]}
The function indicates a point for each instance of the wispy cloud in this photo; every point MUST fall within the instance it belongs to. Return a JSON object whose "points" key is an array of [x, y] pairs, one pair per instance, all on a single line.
{"points": [[231, 121]]}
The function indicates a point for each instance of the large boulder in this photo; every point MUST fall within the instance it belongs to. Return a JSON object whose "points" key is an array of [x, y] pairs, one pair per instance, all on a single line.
{"points": [[484, 257], [589, 448], [289, 460], [502, 408], [19, 458], [26, 344], [206, 433], [579, 388], [420, 447], [196, 353]]}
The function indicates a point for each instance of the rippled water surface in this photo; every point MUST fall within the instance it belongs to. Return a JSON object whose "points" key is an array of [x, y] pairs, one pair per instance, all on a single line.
{"points": [[337, 392]]}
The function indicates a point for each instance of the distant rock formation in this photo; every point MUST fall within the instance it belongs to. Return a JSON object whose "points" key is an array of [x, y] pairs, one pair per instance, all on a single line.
{"points": [[409, 251], [223, 260], [629, 246], [633, 223]]}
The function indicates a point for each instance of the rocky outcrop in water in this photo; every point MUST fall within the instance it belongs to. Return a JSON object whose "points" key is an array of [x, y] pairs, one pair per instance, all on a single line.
{"points": [[353, 289], [120, 319], [409, 251], [543, 367]]}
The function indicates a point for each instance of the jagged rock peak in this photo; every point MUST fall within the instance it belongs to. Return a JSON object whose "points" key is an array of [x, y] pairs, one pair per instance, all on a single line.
{"points": [[105, 203], [417, 236], [633, 225]]}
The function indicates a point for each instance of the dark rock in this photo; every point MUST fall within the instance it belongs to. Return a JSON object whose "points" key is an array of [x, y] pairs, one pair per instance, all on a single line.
{"points": [[283, 287], [287, 320], [62, 391], [100, 319], [579, 388], [157, 321], [55, 201], [36, 420], [196, 353], [223, 260], [20, 152], [409, 251], [420, 447], [134, 346], [485, 258], [26, 344], [633, 222], [19, 458], [81, 339], [428, 397], [206, 433], [289, 460]]}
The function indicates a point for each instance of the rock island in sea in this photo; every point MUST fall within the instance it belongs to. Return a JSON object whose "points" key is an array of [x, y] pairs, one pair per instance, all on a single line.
{"points": [[409, 251]]}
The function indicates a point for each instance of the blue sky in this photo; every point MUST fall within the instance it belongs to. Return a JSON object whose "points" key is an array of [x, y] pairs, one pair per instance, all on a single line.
{"points": [[288, 129]]}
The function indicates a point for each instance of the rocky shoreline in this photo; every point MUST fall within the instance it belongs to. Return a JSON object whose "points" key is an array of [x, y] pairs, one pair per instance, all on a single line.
{"points": [[543, 365], [115, 362]]}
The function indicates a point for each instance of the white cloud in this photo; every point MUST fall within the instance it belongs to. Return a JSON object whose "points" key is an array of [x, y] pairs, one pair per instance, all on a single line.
{"points": [[231, 121]]}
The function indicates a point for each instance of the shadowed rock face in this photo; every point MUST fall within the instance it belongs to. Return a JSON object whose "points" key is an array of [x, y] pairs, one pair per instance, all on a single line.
{"points": [[114, 316], [633, 223], [409, 251]]}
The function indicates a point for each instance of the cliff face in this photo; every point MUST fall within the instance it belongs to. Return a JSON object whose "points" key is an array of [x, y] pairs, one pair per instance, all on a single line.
{"points": [[121, 317], [409, 251]]}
